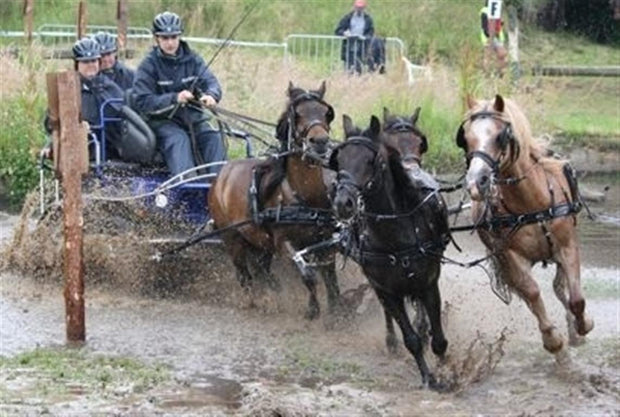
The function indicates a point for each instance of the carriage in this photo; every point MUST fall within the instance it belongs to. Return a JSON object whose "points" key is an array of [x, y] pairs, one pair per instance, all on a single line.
{"points": [[141, 176]]}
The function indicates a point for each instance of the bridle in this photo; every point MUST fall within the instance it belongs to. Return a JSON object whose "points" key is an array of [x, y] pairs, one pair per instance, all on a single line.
{"points": [[505, 138], [294, 135], [344, 180], [404, 126]]}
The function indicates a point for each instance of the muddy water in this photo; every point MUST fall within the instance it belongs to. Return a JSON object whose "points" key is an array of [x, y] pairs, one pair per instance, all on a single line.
{"points": [[228, 358]]}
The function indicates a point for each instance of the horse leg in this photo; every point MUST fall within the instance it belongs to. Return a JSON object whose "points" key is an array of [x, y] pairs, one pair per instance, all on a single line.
{"points": [[309, 279], [569, 273], [238, 249], [391, 340], [395, 307], [259, 262], [420, 321], [328, 272], [559, 287], [518, 273], [432, 303]]}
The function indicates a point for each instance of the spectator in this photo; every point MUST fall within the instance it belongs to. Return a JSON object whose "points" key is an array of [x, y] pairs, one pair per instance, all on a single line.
{"points": [[163, 93], [493, 38], [110, 65], [95, 89], [358, 28]]}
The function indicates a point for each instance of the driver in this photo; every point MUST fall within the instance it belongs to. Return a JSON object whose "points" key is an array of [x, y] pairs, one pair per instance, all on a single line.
{"points": [[162, 93]]}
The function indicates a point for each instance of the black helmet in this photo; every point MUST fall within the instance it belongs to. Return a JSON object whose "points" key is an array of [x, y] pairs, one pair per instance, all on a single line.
{"points": [[106, 41], [86, 49], [167, 23]]}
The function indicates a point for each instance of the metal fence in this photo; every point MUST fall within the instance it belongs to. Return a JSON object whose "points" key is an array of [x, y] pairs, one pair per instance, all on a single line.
{"points": [[320, 52], [324, 51]]}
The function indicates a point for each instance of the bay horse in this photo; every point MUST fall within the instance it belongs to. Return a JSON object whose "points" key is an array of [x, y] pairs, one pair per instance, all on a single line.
{"points": [[395, 236], [280, 205], [524, 204]]}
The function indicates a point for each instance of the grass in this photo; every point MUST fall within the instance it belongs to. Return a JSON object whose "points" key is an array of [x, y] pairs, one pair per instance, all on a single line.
{"points": [[47, 373]]}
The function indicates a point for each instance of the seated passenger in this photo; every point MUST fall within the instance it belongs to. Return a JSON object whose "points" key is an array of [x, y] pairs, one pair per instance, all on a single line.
{"points": [[110, 65], [162, 93], [95, 89]]}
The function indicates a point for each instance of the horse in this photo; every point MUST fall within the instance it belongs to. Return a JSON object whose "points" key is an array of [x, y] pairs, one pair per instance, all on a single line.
{"points": [[280, 205], [524, 207], [395, 235]]}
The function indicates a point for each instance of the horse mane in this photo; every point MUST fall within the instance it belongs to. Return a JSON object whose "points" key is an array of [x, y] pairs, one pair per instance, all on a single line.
{"points": [[522, 131]]}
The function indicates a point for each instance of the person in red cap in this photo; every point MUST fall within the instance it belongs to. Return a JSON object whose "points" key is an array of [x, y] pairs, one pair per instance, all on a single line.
{"points": [[357, 27]]}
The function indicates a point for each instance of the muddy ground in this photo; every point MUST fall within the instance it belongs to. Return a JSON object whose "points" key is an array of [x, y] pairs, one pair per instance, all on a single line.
{"points": [[228, 357]]}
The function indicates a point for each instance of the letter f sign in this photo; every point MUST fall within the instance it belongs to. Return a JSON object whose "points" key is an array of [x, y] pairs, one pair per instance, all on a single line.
{"points": [[495, 9]]}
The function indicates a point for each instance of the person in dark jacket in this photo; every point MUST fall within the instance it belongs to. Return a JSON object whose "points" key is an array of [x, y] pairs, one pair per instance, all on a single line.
{"points": [[358, 28], [169, 82], [95, 89], [110, 65]]}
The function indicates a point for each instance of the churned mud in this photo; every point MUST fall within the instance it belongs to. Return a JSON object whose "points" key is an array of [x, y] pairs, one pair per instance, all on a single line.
{"points": [[230, 353]]}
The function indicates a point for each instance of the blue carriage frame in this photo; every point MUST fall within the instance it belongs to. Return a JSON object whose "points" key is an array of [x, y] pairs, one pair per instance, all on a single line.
{"points": [[184, 194]]}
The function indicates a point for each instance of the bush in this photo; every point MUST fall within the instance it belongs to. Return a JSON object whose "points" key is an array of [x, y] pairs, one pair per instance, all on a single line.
{"points": [[21, 138]]}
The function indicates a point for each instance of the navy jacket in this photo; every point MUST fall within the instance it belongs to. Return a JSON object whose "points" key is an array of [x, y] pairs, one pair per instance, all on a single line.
{"points": [[345, 23], [94, 92], [160, 77], [121, 75]]}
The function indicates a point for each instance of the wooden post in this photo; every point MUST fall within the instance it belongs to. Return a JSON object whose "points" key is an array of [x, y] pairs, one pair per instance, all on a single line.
{"points": [[81, 22], [28, 20], [71, 160], [121, 31]]}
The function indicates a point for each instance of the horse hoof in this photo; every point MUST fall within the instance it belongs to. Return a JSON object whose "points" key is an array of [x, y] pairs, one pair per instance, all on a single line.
{"points": [[552, 340], [439, 346], [584, 326], [435, 385]]}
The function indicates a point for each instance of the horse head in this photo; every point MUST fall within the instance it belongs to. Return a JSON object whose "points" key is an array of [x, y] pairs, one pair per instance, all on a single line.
{"points": [[486, 136], [304, 125], [359, 164], [401, 134]]}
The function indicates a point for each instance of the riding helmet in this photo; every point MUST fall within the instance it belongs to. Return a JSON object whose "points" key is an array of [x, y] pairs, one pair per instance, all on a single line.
{"points": [[167, 23], [106, 41], [86, 49]]}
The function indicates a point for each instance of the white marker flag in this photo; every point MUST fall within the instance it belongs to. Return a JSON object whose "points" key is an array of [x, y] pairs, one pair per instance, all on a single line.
{"points": [[495, 9]]}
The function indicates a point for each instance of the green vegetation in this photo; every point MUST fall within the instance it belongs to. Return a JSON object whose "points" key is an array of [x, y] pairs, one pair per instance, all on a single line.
{"points": [[582, 111], [50, 373]]}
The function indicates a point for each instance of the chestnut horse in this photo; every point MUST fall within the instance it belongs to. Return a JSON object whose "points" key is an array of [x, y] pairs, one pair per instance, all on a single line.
{"points": [[396, 235], [524, 204], [281, 204]]}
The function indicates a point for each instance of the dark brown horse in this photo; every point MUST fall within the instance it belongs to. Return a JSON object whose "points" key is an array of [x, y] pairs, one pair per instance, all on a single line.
{"points": [[524, 204], [396, 234], [281, 204]]}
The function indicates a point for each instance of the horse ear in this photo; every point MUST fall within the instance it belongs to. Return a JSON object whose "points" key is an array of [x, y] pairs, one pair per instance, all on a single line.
{"points": [[416, 114], [386, 114], [375, 127], [499, 104], [291, 87], [471, 102], [321, 89], [347, 125]]}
